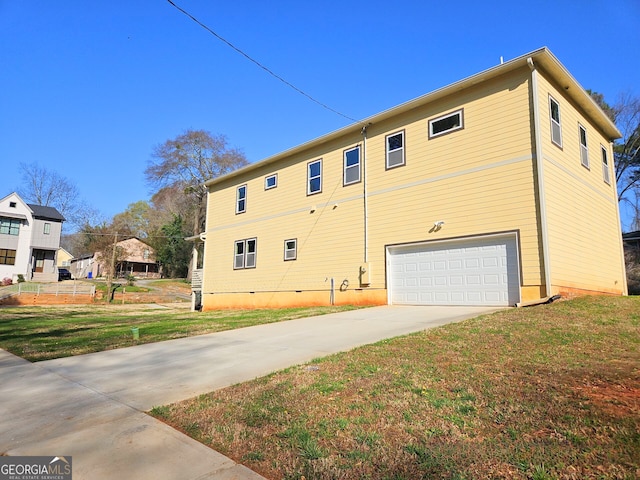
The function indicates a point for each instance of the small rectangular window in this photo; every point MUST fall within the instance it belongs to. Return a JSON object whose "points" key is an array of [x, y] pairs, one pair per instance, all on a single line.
{"points": [[351, 166], [9, 226], [244, 253], [271, 181], [606, 176], [241, 199], [395, 149], [47, 228], [554, 115], [584, 150], [314, 177], [290, 249], [446, 124], [7, 257], [13, 204]]}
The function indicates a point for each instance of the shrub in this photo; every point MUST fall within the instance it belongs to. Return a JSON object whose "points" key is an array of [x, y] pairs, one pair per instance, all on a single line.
{"points": [[131, 280], [21, 278], [6, 281]]}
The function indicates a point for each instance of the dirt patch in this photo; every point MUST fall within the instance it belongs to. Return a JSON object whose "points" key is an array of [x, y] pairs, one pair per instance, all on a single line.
{"points": [[615, 399]]}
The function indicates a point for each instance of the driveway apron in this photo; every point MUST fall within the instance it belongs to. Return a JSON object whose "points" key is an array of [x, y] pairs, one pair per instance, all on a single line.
{"points": [[91, 407]]}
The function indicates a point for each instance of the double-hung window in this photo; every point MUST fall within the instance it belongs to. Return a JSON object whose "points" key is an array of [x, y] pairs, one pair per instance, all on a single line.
{"points": [[606, 176], [9, 226], [290, 249], [314, 177], [245, 254], [47, 228], [446, 123], [352, 166], [241, 199], [554, 116], [584, 150], [395, 149]]}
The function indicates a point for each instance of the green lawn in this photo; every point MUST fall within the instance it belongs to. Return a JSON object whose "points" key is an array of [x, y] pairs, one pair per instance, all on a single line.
{"points": [[548, 392], [43, 333]]}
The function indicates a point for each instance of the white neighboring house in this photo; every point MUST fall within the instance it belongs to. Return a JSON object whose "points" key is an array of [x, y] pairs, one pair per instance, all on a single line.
{"points": [[29, 240]]}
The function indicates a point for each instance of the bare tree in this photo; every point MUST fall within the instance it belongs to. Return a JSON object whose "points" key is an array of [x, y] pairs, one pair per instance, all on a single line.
{"points": [[188, 161], [627, 149], [50, 189], [625, 113]]}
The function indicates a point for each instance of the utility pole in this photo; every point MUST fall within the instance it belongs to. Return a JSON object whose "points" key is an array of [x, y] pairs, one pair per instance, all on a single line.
{"points": [[112, 270]]}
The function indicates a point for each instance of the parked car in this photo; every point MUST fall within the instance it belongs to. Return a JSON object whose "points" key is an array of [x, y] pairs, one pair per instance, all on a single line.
{"points": [[64, 274]]}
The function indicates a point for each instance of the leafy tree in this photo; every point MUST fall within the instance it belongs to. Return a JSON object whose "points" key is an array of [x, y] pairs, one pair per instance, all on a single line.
{"points": [[187, 162], [137, 220], [46, 187], [173, 251]]}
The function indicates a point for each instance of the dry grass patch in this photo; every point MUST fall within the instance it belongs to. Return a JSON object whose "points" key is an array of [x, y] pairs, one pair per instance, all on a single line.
{"points": [[541, 393]]}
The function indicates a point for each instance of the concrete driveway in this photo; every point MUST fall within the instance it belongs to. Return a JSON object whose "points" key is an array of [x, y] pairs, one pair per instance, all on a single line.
{"points": [[91, 407]]}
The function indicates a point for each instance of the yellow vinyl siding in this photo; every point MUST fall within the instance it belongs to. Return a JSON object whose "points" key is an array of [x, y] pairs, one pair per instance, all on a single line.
{"points": [[582, 216], [472, 203], [329, 244]]}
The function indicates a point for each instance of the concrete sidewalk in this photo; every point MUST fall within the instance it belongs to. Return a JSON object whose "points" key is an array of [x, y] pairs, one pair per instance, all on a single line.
{"points": [[91, 407]]}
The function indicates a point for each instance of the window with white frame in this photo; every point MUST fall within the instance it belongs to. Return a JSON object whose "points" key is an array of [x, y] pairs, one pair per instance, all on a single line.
{"points": [[314, 177], [395, 149], [446, 123], [241, 199], [351, 166], [271, 181], [554, 116], [245, 253], [47, 228], [606, 176], [584, 149], [290, 249], [10, 226]]}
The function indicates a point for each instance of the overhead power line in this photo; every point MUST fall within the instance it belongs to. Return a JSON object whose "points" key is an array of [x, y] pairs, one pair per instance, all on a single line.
{"points": [[270, 72]]}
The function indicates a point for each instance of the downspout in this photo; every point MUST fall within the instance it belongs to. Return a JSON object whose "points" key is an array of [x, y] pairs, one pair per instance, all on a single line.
{"points": [[540, 173], [365, 193]]}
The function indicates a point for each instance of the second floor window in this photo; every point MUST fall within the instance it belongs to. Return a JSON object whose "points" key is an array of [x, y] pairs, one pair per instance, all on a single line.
{"points": [[554, 114], [395, 150], [241, 199], [9, 226], [352, 166], [605, 166], [584, 150], [314, 177]]}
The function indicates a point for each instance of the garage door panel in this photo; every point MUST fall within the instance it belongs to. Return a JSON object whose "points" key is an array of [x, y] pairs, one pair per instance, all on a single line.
{"points": [[479, 271]]}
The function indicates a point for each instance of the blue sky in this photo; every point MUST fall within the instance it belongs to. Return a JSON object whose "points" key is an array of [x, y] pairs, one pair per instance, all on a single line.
{"points": [[88, 88]]}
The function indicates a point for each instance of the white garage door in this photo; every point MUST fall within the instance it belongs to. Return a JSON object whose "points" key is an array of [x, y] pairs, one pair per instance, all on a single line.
{"points": [[475, 271]]}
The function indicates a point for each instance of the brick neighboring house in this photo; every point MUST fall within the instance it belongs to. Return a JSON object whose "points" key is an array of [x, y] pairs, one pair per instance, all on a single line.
{"points": [[29, 240], [139, 260]]}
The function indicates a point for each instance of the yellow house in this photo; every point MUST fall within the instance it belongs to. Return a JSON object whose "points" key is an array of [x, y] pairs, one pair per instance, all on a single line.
{"points": [[494, 190], [64, 258]]}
